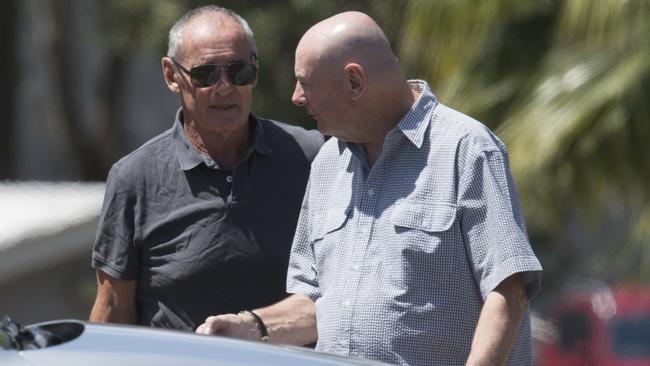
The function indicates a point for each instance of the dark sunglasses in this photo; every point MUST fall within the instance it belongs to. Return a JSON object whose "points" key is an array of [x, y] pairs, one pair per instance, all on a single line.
{"points": [[203, 76]]}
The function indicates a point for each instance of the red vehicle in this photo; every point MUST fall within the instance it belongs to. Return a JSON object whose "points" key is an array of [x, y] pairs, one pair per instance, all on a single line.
{"points": [[600, 327]]}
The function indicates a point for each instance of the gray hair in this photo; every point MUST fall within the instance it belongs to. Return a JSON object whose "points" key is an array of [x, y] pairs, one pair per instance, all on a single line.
{"points": [[175, 33]]}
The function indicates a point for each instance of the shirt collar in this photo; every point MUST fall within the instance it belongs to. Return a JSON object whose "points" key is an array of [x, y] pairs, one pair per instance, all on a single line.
{"points": [[259, 140], [189, 157], [415, 122]]}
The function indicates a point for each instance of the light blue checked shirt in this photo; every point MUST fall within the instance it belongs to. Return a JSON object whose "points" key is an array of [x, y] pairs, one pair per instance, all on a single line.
{"points": [[400, 256]]}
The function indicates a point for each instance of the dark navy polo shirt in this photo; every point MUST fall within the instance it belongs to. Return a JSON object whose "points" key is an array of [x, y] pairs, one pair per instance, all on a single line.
{"points": [[201, 240]]}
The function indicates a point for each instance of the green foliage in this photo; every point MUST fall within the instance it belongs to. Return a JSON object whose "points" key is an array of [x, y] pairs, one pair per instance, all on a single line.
{"points": [[129, 24]]}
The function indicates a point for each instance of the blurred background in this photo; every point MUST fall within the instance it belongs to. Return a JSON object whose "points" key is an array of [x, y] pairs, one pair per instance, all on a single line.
{"points": [[565, 84]]}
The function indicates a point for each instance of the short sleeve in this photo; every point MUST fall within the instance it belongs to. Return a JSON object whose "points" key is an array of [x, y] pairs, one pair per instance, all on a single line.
{"points": [[302, 277], [114, 251], [493, 227]]}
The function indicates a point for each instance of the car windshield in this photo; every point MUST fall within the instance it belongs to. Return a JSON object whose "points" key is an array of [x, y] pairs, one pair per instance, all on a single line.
{"points": [[631, 336]]}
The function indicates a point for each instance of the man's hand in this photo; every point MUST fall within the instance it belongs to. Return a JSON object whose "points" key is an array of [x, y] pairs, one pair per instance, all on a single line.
{"points": [[240, 326]]}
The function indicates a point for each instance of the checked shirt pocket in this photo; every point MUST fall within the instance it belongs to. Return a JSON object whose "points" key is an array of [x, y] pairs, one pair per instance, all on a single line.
{"points": [[328, 221], [422, 250], [423, 223]]}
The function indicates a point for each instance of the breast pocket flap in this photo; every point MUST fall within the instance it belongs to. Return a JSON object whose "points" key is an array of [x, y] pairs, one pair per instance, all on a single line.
{"points": [[425, 216], [328, 221]]}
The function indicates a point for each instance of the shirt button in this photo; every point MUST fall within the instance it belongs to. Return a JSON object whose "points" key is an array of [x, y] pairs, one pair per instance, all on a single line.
{"points": [[229, 179], [342, 342], [356, 267], [371, 192], [346, 303]]}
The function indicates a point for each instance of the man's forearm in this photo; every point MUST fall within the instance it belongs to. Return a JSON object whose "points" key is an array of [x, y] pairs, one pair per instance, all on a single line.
{"points": [[290, 321], [105, 313], [499, 323], [115, 301]]}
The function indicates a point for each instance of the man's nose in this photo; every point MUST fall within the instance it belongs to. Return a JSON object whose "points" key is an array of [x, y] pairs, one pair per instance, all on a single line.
{"points": [[298, 97], [223, 86]]}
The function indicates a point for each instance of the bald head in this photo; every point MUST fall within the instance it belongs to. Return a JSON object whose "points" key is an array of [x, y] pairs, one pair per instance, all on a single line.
{"points": [[349, 80], [349, 37]]}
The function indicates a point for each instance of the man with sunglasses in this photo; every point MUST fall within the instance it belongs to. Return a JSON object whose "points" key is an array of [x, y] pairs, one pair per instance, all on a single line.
{"points": [[199, 220]]}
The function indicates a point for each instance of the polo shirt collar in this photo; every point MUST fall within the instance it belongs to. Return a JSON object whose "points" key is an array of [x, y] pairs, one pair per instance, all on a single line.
{"points": [[189, 157], [259, 139]]}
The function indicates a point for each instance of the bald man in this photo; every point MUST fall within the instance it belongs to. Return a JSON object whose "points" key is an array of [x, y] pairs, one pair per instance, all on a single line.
{"points": [[410, 248]]}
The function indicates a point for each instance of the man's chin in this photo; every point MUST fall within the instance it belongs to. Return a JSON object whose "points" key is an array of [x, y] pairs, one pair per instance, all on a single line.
{"points": [[226, 118]]}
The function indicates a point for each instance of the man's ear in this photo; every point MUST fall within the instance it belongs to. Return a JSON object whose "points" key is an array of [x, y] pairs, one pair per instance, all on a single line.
{"points": [[357, 79], [169, 74]]}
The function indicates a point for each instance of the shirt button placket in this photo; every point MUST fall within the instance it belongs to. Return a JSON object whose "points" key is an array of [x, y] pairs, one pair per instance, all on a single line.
{"points": [[352, 290]]}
